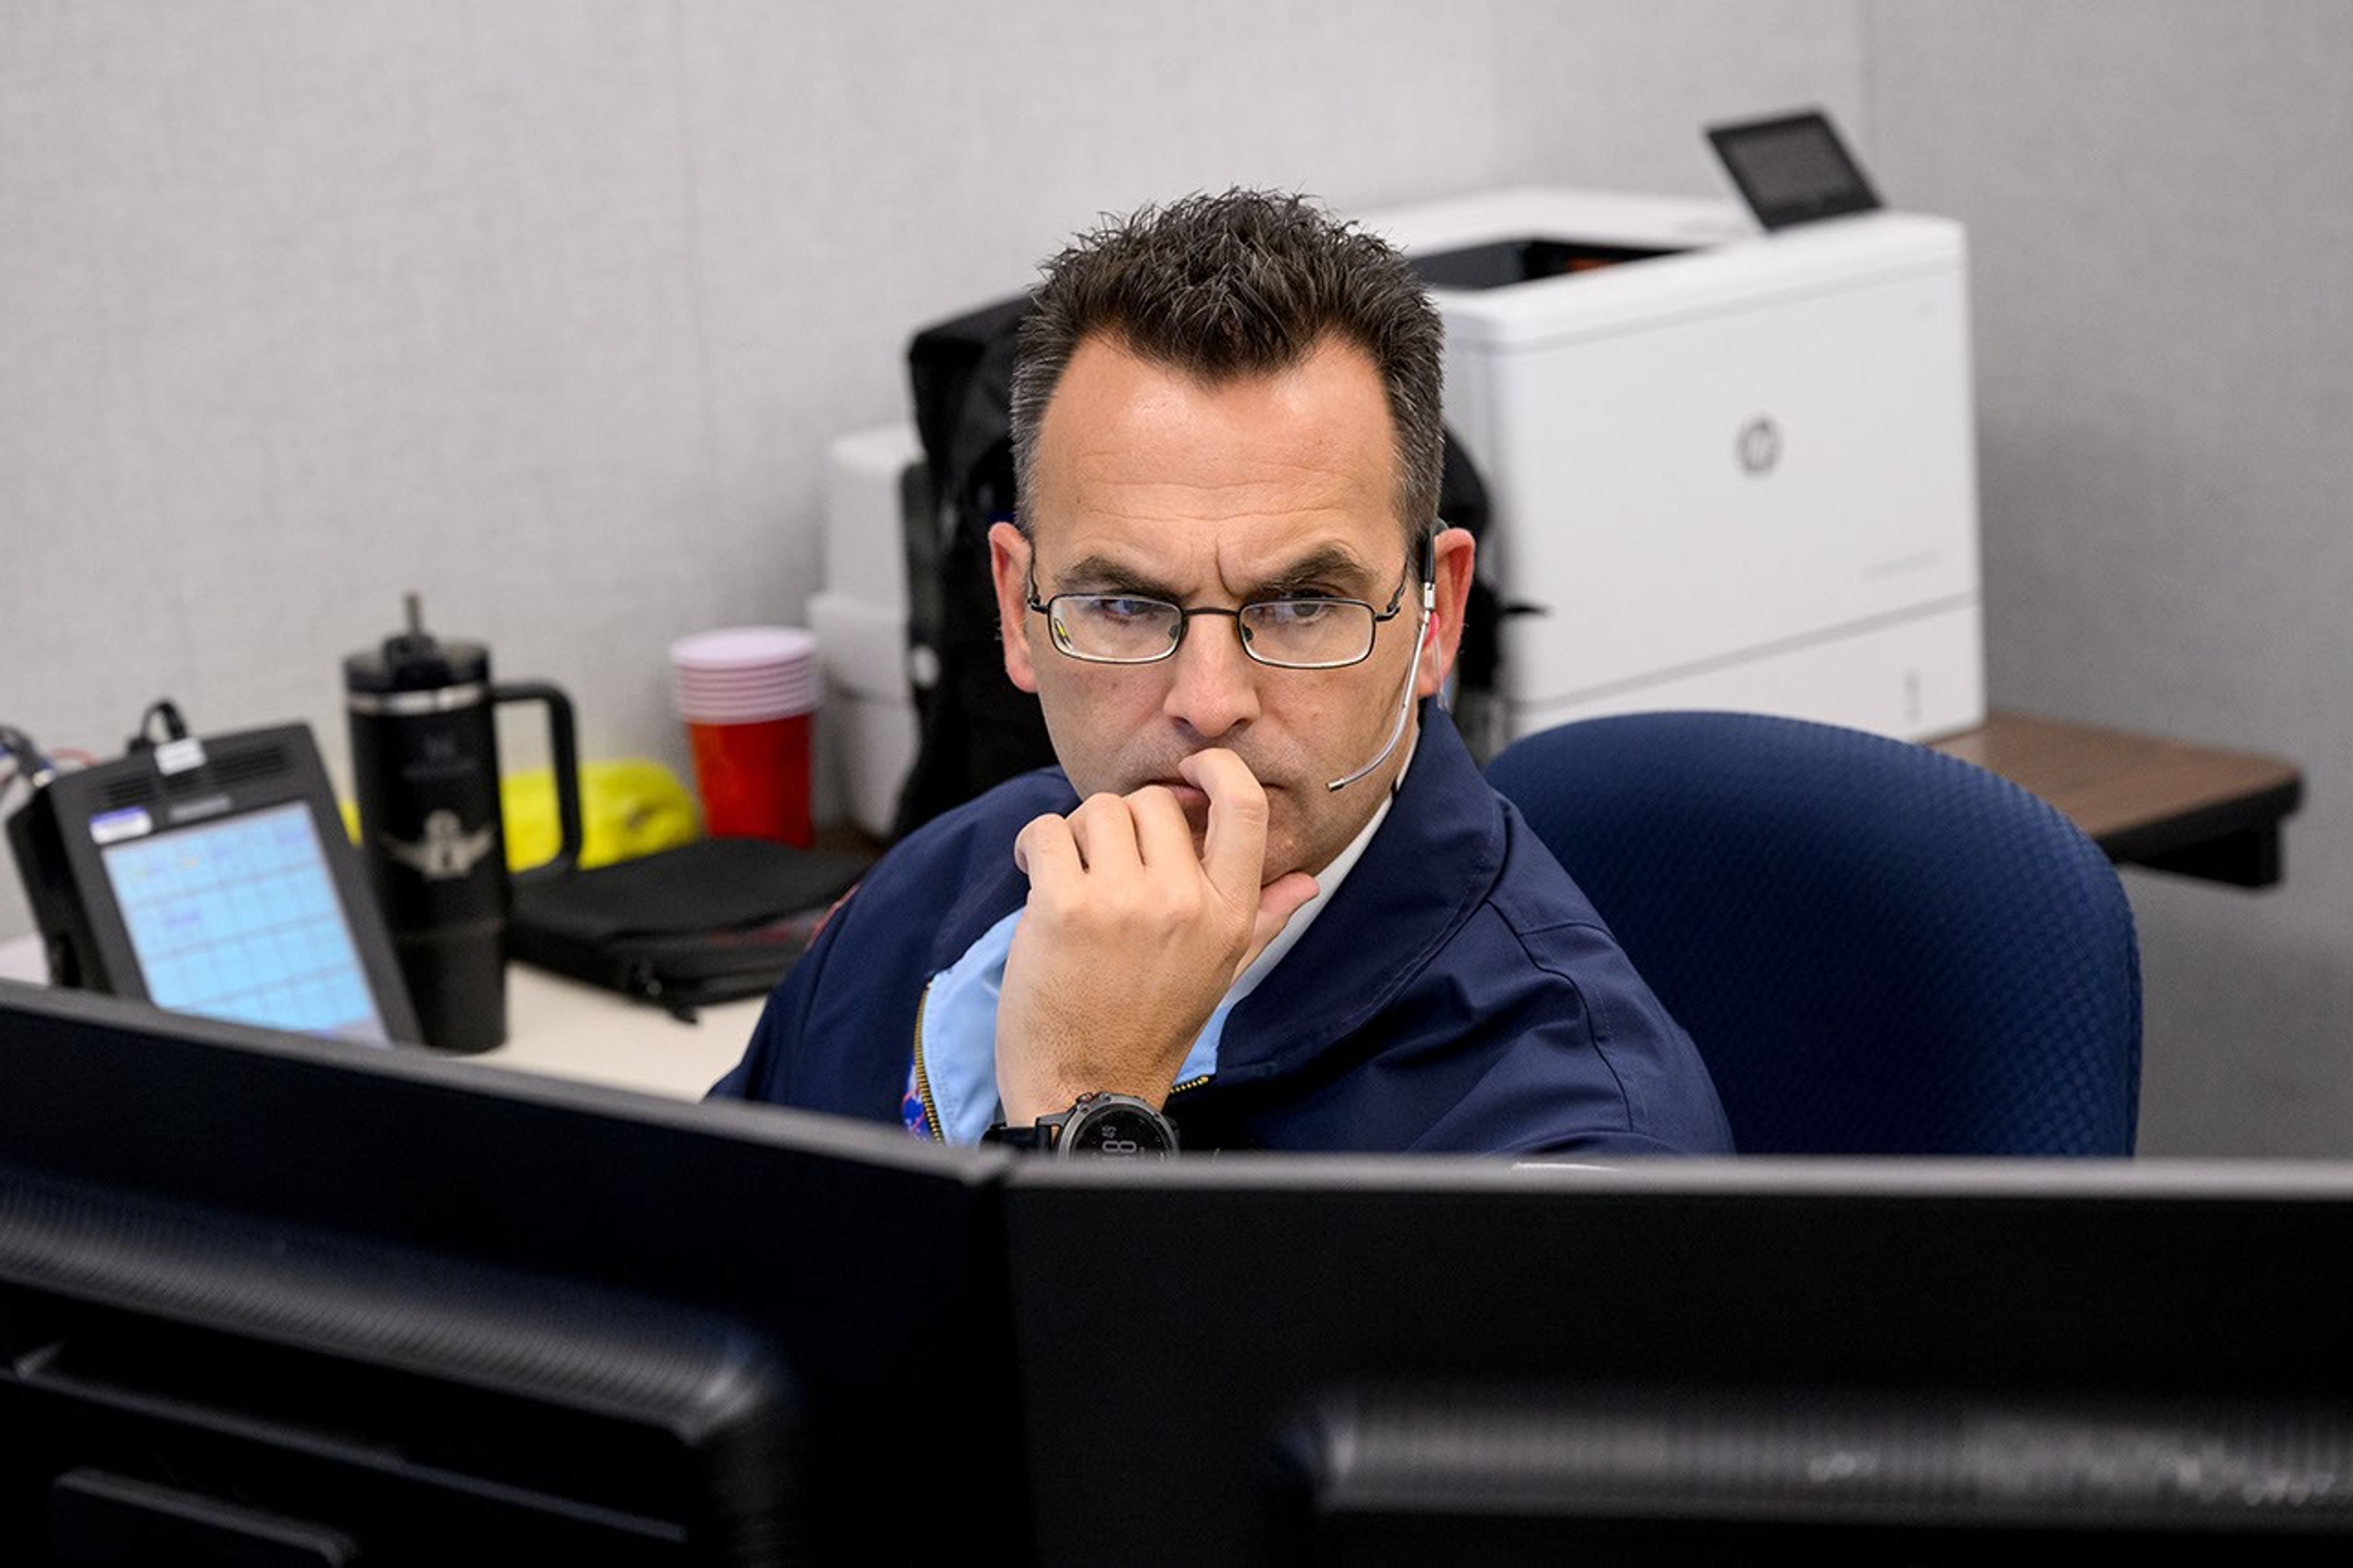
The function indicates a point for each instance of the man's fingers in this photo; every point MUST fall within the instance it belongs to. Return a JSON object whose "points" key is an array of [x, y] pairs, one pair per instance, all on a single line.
{"points": [[1233, 853], [1046, 848], [1285, 897], [1277, 902], [1104, 829], [1162, 836]]}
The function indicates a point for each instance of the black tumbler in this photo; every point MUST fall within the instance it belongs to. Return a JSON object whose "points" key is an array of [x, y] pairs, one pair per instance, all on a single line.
{"points": [[424, 767]]}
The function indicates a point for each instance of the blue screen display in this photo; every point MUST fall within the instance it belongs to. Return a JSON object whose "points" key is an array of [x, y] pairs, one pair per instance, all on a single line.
{"points": [[239, 919]]}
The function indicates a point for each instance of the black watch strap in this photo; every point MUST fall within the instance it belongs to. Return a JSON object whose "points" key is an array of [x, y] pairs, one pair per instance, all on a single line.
{"points": [[1040, 1137]]}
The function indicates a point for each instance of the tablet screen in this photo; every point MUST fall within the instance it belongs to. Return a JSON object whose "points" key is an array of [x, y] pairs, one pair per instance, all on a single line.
{"points": [[239, 918]]}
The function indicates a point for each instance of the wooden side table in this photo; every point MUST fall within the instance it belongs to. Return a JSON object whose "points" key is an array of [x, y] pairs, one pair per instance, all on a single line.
{"points": [[2195, 810]]}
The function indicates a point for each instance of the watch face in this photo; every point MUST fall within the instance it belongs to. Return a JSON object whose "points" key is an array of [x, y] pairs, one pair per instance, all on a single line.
{"points": [[1118, 1127]]}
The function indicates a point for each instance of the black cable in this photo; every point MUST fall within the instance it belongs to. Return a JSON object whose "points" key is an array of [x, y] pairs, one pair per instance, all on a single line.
{"points": [[29, 762], [29, 759], [174, 728]]}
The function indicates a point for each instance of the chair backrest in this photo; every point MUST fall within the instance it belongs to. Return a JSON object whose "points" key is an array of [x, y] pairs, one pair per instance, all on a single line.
{"points": [[1879, 948]]}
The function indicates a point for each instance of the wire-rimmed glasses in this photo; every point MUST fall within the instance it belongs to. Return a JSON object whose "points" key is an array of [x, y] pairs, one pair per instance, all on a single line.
{"points": [[1300, 633]]}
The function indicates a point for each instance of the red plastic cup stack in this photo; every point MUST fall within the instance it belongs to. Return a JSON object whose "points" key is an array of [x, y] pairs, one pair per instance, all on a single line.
{"points": [[748, 695]]}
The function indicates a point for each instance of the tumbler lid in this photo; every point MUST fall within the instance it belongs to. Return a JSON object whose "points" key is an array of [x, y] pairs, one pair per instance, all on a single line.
{"points": [[413, 659]]}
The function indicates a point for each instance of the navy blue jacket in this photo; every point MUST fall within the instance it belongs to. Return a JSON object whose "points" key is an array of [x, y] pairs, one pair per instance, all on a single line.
{"points": [[1456, 993]]}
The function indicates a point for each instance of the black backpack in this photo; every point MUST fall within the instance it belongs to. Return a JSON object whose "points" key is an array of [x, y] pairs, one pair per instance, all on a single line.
{"points": [[977, 728]]}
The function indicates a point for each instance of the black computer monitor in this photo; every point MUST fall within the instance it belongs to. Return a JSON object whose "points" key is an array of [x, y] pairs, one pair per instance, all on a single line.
{"points": [[269, 1298], [1255, 1360]]}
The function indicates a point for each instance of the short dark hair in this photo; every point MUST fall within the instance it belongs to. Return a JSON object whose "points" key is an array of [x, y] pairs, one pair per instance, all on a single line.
{"points": [[1245, 283]]}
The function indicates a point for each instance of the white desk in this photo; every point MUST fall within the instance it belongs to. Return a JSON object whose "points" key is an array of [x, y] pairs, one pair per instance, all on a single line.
{"points": [[575, 1030], [567, 1029]]}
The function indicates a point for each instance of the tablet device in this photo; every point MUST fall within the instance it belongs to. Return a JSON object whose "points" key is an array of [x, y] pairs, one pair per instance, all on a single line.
{"points": [[213, 875]]}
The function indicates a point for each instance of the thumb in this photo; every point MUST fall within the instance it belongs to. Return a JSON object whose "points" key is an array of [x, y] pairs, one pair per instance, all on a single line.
{"points": [[1277, 902]]}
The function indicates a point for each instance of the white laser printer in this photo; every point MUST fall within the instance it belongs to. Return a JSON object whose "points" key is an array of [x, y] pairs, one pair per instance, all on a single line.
{"points": [[1725, 467]]}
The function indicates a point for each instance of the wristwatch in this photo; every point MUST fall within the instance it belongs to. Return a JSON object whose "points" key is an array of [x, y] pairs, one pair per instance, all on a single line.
{"points": [[1118, 1126]]}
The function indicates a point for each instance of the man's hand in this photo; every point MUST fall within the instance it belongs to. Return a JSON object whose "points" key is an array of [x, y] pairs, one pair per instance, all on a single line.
{"points": [[1129, 940]]}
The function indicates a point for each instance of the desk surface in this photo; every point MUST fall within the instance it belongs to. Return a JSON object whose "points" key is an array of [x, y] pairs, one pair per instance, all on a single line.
{"points": [[572, 1029], [2198, 810]]}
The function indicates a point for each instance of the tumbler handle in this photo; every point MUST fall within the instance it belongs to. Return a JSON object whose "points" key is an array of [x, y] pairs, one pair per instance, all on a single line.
{"points": [[561, 750]]}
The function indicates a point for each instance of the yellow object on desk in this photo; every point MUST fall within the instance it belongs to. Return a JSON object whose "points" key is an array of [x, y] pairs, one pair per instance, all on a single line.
{"points": [[628, 806]]}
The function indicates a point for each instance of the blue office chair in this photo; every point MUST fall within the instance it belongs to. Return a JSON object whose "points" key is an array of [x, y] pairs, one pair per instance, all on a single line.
{"points": [[1878, 947]]}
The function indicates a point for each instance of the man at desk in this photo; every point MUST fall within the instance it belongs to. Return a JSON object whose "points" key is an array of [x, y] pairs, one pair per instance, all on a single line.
{"points": [[1267, 900]]}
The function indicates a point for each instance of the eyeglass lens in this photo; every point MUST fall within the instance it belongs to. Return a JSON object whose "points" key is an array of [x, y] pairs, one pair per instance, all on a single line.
{"points": [[1305, 633]]}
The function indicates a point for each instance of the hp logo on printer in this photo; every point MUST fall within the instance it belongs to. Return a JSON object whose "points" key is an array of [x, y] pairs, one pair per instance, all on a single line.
{"points": [[1760, 445]]}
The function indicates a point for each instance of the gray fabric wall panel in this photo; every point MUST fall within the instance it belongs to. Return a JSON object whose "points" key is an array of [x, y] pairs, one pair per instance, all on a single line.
{"points": [[549, 310], [2160, 211], [1577, 78]]}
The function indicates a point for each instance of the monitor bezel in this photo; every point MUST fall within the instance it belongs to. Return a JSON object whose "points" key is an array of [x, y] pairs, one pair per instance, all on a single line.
{"points": [[857, 1251], [2088, 1285]]}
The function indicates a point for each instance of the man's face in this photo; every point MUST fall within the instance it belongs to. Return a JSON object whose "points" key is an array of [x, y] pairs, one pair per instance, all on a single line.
{"points": [[1150, 483]]}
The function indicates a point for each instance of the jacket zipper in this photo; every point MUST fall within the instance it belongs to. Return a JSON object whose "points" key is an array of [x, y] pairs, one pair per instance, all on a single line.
{"points": [[923, 1075]]}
